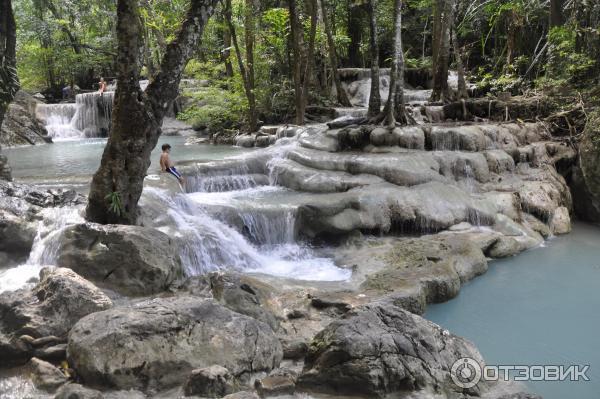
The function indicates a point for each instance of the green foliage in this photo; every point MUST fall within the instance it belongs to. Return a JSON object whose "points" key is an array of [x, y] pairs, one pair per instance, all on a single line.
{"points": [[115, 205], [565, 63], [215, 108]]}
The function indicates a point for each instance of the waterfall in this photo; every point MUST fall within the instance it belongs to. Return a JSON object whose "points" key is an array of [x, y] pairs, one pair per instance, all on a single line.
{"points": [[90, 116], [94, 111], [209, 244], [45, 247], [57, 119]]}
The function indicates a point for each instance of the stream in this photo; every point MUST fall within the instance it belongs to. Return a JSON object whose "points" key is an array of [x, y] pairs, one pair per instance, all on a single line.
{"points": [[533, 309]]}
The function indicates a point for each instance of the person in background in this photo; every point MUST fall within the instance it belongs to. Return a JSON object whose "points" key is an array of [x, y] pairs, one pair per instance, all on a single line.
{"points": [[166, 165], [66, 92], [101, 86]]}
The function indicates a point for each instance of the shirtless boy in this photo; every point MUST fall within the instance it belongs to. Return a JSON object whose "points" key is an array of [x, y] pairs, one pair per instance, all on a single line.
{"points": [[166, 165]]}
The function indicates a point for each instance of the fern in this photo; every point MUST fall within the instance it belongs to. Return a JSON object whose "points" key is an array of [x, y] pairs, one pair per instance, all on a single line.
{"points": [[115, 205]]}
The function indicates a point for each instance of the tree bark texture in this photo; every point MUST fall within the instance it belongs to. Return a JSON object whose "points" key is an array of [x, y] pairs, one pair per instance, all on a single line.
{"points": [[375, 94], [9, 82], [137, 116]]}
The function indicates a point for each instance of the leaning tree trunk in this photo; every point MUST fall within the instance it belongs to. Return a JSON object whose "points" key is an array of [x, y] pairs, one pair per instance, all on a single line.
{"points": [[342, 97], [375, 95], [394, 110], [137, 116], [9, 82], [441, 91]]}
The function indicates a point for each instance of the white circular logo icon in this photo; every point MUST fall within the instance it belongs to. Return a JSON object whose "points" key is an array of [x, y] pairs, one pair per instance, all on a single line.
{"points": [[466, 372]]}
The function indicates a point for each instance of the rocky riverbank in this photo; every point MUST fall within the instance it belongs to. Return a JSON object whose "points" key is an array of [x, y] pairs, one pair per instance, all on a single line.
{"points": [[122, 311]]}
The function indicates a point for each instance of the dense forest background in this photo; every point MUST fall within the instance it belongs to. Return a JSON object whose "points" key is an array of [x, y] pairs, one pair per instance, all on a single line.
{"points": [[247, 57]]}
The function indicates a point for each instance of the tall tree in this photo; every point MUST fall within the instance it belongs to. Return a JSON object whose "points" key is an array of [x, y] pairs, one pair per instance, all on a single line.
{"points": [[395, 110], [355, 21], [303, 58], [342, 97], [375, 94], [246, 68], [441, 49], [9, 82], [556, 13], [137, 116]]}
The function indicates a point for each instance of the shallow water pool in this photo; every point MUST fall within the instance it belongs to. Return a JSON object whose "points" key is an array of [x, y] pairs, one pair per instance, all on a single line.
{"points": [[538, 308]]}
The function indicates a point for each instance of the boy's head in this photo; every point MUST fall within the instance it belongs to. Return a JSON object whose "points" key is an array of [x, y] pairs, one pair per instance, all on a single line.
{"points": [[166, 147]]}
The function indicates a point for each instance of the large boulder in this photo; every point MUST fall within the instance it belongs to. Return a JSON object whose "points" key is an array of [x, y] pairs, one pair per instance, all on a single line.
{"points": [[20, 126], [156, 344], [50, 309], [380, 349], [132, 260]]}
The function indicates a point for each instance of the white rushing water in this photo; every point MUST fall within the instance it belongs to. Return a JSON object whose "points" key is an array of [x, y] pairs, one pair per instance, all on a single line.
{"points": [[268, 245], [45, 247], [89, 117]]}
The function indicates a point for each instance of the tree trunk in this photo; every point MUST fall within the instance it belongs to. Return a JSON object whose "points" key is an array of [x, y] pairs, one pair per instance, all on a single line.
{"points": [[309, 60], [511, 41], [394, 110], [226, 53], [354, 33], [342, 97], [297, 62], [460, 66], [442, 55], [249, 24], [137, 116], [303, 60], [556, 13], [246, 70], [436, 33], [375, 94], [9, 82]]}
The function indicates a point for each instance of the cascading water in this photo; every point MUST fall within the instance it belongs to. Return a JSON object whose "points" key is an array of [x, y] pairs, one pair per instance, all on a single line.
{"points": [[90, 116], [209, 244], [94, 111], [45, 247], [57, 119]]}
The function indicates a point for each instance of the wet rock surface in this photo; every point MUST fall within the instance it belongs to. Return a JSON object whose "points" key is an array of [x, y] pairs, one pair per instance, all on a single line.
{"points": [[20, 126], [380, 349], [157, 343], [21, 210], [130, 259]]}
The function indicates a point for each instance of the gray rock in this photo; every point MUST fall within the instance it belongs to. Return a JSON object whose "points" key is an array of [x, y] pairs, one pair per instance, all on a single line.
{"points": [[295, 176], [210, 382], [156, 344], [499, 161], [77, 391], [245, 295], [380, 349], [275, 385], [411, 137], [242, 395], [560, 223], [49, 310], [246, 141], [132, 260], [20, 126], [45, 376], [381, 137]]}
